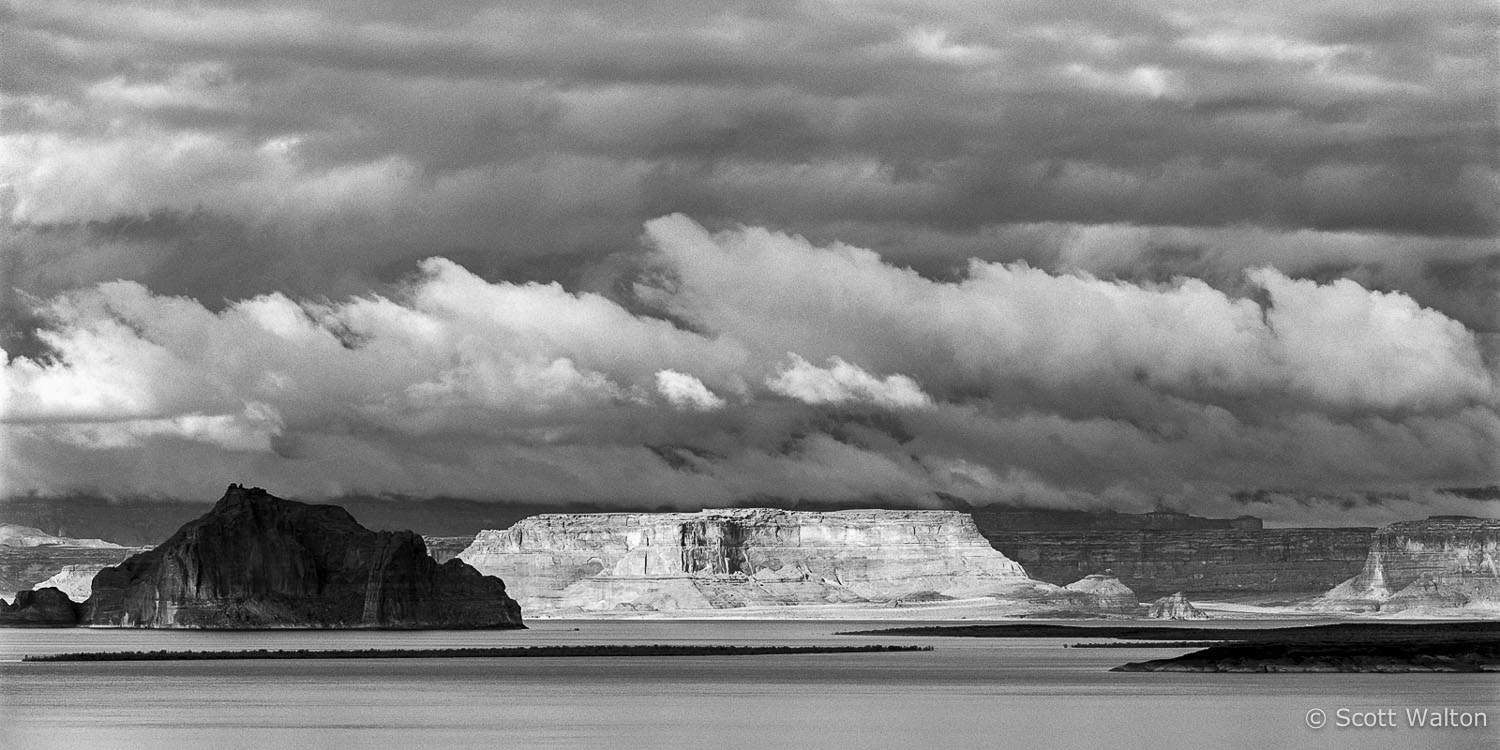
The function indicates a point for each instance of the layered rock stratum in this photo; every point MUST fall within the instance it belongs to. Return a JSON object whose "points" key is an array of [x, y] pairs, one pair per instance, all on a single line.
{"points": [[1174, 607], [1262, 565], [1443, 565], [22, 568], [257, 561], [603, 563]]}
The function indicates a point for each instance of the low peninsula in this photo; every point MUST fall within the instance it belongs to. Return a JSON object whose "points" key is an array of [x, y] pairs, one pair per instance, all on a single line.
{"points": [[1340, 647], [1390, 656], [469, 653]]}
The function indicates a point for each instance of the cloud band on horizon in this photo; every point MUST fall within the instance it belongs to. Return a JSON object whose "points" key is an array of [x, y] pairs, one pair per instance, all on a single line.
{"points": [[1008, 384]]}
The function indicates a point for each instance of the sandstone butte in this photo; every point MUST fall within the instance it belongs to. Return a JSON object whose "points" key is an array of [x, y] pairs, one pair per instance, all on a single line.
{"points": [[1174, 607], [1443, 565], [258, 561], [623, 563], [1113, 595]]}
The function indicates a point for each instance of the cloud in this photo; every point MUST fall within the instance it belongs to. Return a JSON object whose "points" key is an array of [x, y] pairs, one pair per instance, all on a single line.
{"points": [[1151, 252], [349, 143], [684, 391], [449, 343], [251, 430], [1008, 383], [843, 383], [1335, 346]]}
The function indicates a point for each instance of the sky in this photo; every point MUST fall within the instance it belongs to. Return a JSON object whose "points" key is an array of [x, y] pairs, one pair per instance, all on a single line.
{"points": [[1124, 255]]}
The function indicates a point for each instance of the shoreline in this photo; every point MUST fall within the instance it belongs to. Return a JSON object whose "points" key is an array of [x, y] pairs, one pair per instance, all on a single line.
{"points": [[467, 653]]}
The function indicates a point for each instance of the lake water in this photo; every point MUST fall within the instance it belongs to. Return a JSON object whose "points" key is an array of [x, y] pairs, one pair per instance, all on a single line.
{"points": [[968, 693]]}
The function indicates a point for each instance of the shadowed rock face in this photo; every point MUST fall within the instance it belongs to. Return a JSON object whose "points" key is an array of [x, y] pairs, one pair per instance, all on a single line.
{"points": [[752, 557], [1269, 564], [256, 561], [43, 608], [1442, 564]]}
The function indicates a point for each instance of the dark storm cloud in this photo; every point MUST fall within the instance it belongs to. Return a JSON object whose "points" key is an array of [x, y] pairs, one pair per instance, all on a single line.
{"points": [[320, 150]]}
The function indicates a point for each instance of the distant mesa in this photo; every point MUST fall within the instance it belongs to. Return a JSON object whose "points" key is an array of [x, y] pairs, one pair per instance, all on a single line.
{"points": [[759, 558], [1175, 607], [1112, 595], [77, 581], [12, 535], [1270, 565], [258, 561], [1443, 565], [31, 559]]}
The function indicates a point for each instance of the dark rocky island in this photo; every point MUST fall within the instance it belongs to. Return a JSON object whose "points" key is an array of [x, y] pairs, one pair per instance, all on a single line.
{"points": [[258, 561]]}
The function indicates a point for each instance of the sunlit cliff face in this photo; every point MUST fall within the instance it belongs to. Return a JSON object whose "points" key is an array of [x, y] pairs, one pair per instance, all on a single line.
{"points": [[1438, 564], [605, 563]]}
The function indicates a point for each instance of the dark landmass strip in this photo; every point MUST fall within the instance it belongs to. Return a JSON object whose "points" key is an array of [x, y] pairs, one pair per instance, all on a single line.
{"points": [[1145, 644], [1017, 518], [1341, 647], [461, 653], [1389, 656], [1337, 633]]}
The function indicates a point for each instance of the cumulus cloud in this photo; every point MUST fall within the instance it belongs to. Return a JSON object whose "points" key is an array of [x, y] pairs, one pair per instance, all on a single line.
{"points": [[449, 342], [1007, 384], [1332, 346], [686, 392], [843, 383]]}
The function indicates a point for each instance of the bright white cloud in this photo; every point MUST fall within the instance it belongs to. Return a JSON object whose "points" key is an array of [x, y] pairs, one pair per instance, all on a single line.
{"points": [[843, 383], [452, 350], [1067, 334], [684, 391]]}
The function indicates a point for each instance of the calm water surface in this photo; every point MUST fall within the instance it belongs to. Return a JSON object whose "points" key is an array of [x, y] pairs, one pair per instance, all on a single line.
{"points": [[969, 693]]}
